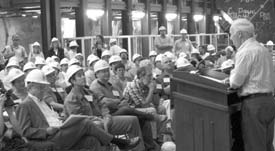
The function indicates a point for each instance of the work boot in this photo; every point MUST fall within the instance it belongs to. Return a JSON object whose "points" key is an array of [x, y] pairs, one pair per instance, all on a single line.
{"points": [[126, 144]]}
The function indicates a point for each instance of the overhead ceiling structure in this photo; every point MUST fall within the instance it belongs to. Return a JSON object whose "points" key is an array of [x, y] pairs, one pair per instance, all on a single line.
{"points": [[24, 8], [31, 8]]}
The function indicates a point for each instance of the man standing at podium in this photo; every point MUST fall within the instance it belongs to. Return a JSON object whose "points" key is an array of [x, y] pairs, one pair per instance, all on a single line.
{"points": [[252, 76]]}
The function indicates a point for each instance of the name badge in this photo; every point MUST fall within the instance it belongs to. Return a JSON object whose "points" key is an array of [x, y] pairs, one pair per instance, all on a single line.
{"points": [[159, 86], [115, 93], [90, 98], [166, 80], [17, 101], [60, 90]]}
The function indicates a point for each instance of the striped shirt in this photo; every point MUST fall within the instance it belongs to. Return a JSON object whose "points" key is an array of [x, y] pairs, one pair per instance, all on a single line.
{"points": [[253, 72], [135, 94]]}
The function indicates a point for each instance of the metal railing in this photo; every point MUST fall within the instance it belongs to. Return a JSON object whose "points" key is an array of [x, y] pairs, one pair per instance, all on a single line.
{"points": [[135, 44]]}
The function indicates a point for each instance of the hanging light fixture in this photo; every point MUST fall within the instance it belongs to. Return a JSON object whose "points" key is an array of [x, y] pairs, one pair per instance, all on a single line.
{"points": [[170, 16], [216, 18], [137, 14], [198, 17], [94, 14]]}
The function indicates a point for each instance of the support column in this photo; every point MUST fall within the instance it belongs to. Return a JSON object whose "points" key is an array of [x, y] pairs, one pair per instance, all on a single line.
{"points": [[179, 15], [191, 22], [213, 10], [107, 19], [162, 19], [82, 28], [81, 19], [127, 25], [55, 18], [50, 22], [45, 25], [146, 28]]}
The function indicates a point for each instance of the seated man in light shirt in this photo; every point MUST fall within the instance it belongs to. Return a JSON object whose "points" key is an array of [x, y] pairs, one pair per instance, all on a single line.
{"points": [[39, 122]]}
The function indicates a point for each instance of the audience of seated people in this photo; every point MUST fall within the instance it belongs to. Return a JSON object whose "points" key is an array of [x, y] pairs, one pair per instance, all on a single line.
{"points": [[60, 102]]}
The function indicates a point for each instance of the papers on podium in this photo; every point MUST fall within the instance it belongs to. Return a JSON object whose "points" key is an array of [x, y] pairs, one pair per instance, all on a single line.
{"points": [[213, 79]]}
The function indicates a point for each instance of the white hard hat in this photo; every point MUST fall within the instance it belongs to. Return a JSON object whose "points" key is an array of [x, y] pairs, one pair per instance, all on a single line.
{"points": [[101, 65], [54, 57], [55, 65], [182, 62], [227, 64], [36, 44], [36, 76], [12, 63], [15, 58], [183, 55], [93, 59], [71, 71], [106, 53], [183, 31], [39, 60], [73, 44], [170, 55], [145, 63], [64, 61], [47, 69], [112, 40], [114, 58], [78, 54], [136, 56], [165, 58], [159, 57], [73, 61], [48, 60], [14, 73], [210, 47], [123, 51], [168, 146], [90, 56], [230, 48], [152, 53], [269, 43], [162, 28], [54, 39], [28, 66], [195, 51]]}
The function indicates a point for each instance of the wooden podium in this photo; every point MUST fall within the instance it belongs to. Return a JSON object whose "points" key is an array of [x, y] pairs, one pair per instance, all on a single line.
{"points": [[207, 114]]}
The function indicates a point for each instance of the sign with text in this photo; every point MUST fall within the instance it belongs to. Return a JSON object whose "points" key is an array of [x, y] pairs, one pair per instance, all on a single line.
{"points": [[260, 12]]}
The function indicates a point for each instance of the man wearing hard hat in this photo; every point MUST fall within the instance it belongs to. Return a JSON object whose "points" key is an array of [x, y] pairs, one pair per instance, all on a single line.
{"points": [[183, 44], [16, 78], [163, 43], [35, 52], [39, 122], [80, 100], [125, 61], [269, 46], [90, 74], [106, 55], [114, 48], [132, 72], [109, 95], [73, 50]]}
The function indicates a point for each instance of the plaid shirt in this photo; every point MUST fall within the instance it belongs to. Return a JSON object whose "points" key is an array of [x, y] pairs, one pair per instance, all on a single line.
{"points": [[135, 94]]}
